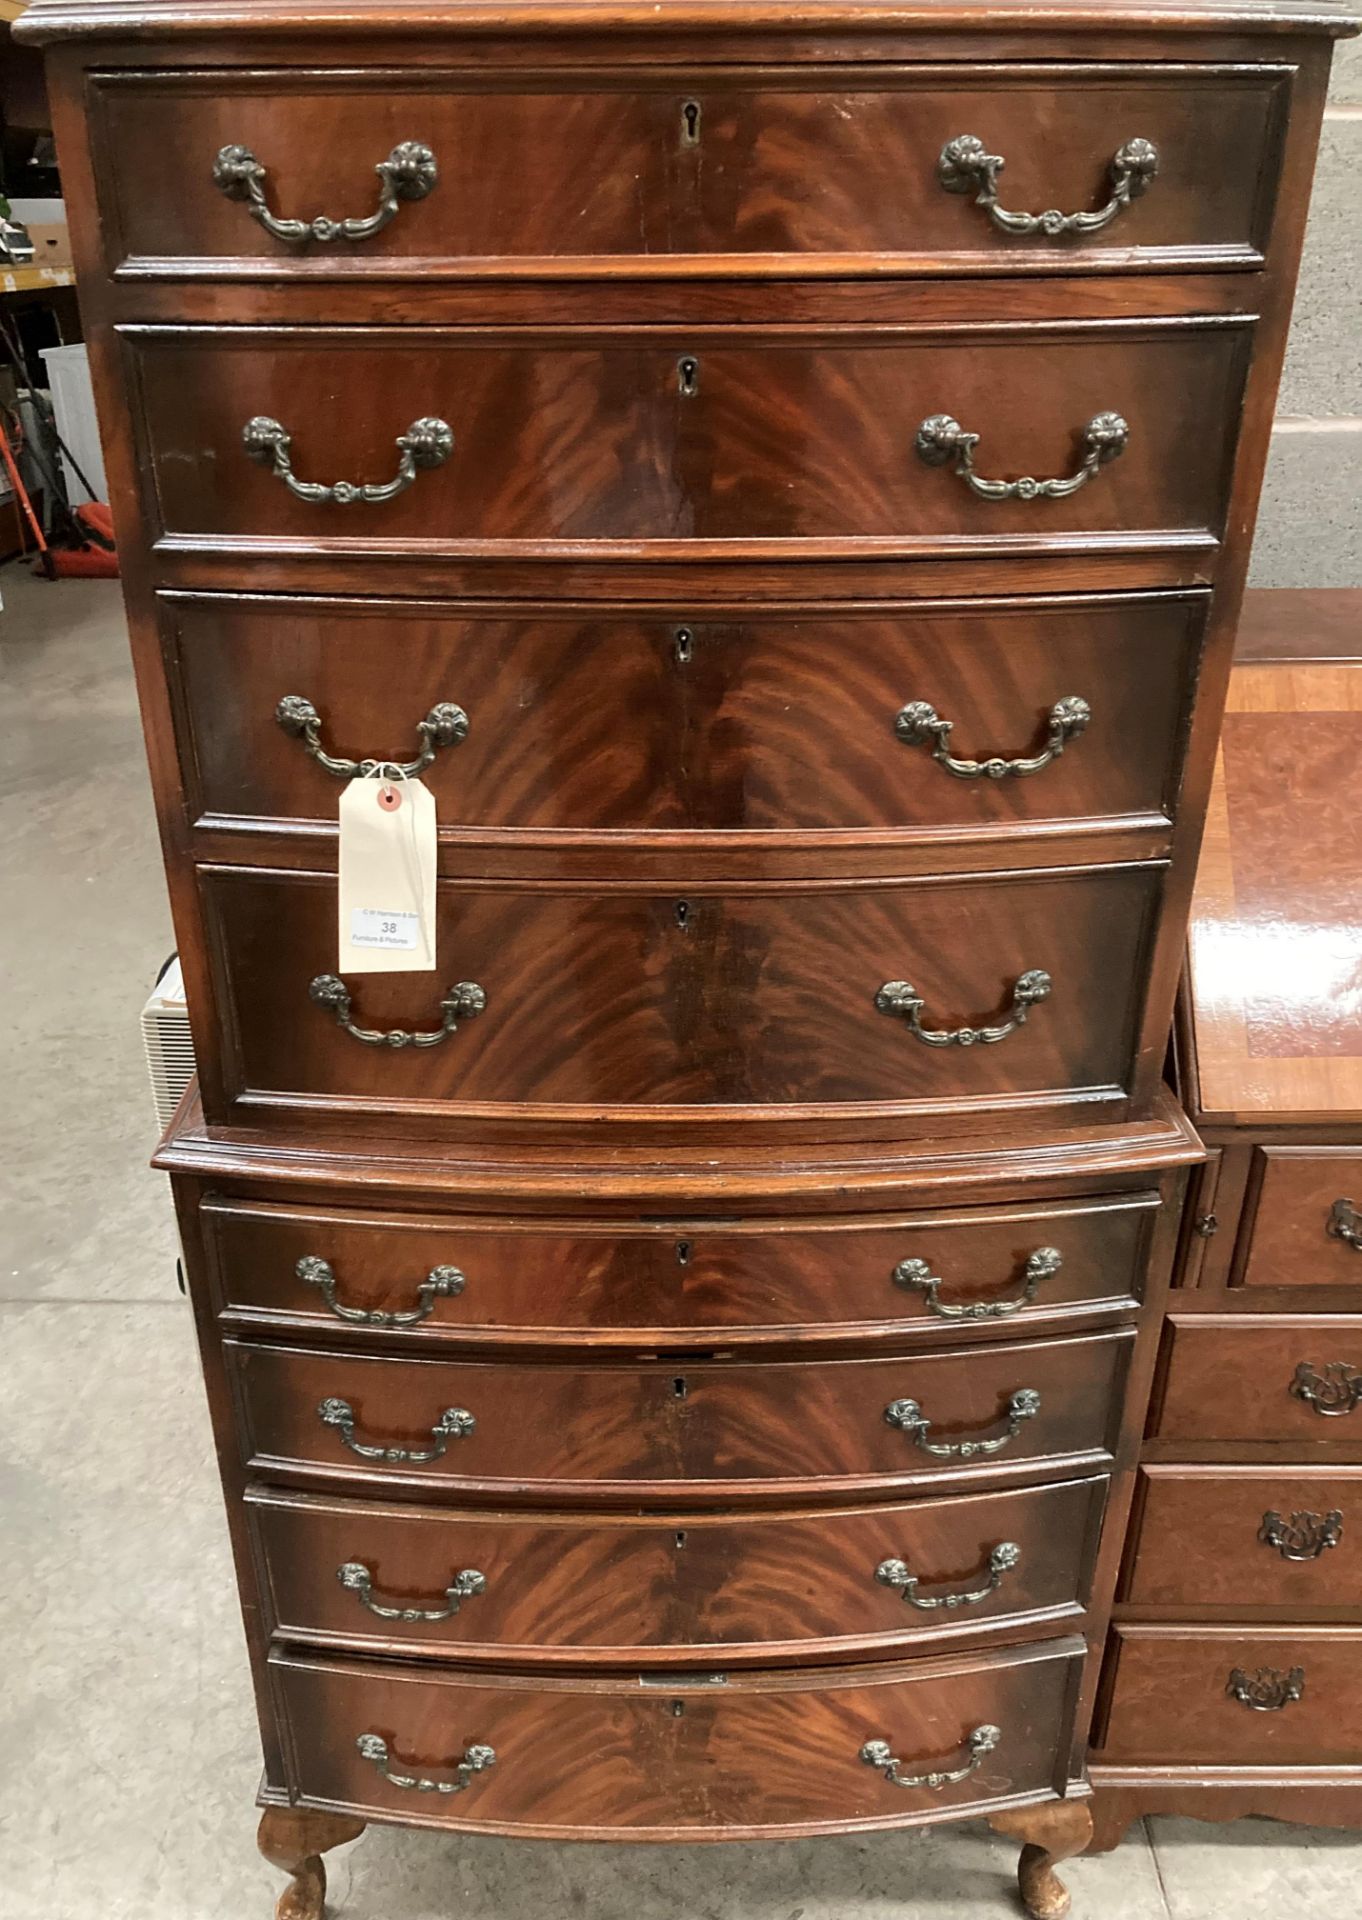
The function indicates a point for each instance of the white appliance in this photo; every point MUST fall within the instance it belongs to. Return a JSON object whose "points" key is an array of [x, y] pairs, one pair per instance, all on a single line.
{"points": [[73, 402], [165, 1035]]}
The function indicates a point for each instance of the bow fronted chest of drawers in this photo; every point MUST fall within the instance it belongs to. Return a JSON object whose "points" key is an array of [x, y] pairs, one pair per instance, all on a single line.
{"points": [[783, 478]]}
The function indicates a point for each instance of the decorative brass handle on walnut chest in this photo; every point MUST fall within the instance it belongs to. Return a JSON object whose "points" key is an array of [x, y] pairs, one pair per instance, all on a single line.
{"points": [[980, 1743], [356, 1578], [1305, 1536], [894, 1573], [1336, 1391], [1345, 1224], [453, 1424], [908, 1417], [426, 444], [965, 167], [1043, 1264], [441, 1283], [475, 1760], [898, 997], [942, 440], [408, 173], [444, 726], [1268, 1690], [919, 723], [460, 1002]]}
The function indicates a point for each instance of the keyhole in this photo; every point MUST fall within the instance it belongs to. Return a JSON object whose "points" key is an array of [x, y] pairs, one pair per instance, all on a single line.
{"points": [[688, 374], [683, 1253], [683, 914], [680, 1540], [690, 124], [679, 1387], [684, 644], [678, 1708]]}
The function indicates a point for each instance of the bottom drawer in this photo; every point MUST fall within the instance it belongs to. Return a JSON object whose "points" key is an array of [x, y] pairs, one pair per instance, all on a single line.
{"points": [[662, 1758], [1226, 1696]]}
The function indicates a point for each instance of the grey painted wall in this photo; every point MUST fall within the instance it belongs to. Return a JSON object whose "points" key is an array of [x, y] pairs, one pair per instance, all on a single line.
{"points": [[1310, 524]]}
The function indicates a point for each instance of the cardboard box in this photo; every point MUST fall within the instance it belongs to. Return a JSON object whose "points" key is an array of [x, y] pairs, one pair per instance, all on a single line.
{"points": [[51, 245]]}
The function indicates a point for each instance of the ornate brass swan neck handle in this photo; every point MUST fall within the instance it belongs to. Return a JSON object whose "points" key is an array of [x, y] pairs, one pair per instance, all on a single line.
{"points": [[1043, 1264], [461, 1002], [1001, 1561], [909, 1418], [1345, 1224], [965, 167], [1305, 1536], [980, 1743], [1336, 1391], [408, 173], [919, 724], [475, 1760], [441, 1283], [942, 441], [1268, 1690], [356, 1578], [453, 1424], [899, 998], [444, 726], [426, 444]]}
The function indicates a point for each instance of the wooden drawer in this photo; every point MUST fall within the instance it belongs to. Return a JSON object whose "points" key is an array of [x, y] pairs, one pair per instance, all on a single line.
{"points": [[624, 1588], [594, 1429], [699, 1007], [750, 721], [1309, 1201], [618, 438], [1288, 1538], [669, 173], [1176, 1696], [680, 1757], [1291, 1377], [457, 1279]]}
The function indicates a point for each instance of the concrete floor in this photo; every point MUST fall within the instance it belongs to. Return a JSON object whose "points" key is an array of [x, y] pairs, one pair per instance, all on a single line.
{"points": [[128, 1760]]}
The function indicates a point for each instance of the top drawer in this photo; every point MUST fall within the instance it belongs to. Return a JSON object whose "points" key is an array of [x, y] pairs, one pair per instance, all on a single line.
{"points": [[673, 175]]}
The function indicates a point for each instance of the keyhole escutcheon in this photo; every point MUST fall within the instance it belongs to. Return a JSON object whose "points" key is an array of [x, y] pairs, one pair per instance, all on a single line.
{"points": [[690, 124], [688, 374]]}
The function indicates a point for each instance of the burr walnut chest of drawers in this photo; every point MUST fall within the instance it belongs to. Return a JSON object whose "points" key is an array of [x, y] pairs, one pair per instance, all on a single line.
{"points": [[784, 476], [1232, 1674]]}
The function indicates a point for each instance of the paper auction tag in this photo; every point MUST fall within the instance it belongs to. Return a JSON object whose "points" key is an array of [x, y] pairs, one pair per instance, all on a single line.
{"points": [[387, 877]]}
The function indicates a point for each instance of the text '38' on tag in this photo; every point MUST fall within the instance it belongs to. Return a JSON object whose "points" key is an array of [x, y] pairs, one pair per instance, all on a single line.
{"points": [[387, 877]]}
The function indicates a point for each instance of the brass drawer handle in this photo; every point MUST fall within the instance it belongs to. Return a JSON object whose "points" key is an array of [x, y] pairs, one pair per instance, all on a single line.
{"points": [[980, 1743], [1268, 1690], [909, 1418], [475, 1760], [453, 1424], [444, 726], [460, 1002], [964, 167], [899, 998], [1043, 1264], [408, 173], [426, 444], [1305, 1536], [919, 723], [1001, 1561], [357, 1579], [441, 1283], [941, 440], [1345, 1224], [1336, 1391]]}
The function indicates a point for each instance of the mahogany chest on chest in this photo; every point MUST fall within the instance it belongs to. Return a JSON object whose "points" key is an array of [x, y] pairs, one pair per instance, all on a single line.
{"points": [[782, 478]]}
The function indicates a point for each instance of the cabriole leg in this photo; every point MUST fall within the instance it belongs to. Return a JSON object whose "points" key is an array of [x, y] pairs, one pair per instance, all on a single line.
{"points": [[294, 1840], [1050, 1833]]}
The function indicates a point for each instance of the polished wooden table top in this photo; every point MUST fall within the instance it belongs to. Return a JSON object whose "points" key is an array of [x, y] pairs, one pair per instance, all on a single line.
{"points": [[1275, 965]]}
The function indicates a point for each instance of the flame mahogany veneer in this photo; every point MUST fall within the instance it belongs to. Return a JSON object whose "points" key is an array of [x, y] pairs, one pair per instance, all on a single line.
{"points": [[698, 1398]]}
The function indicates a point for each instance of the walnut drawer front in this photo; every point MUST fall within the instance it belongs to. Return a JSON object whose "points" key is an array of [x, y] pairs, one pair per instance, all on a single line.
{"points": [[625, 1589], [709, 1757], [697, 1003], [565, 1428], [1289, 1538], [1236, 1696], [1294, 1377], [661, 173], [757, 721], [1307, 1222], [432, 1279], [613, 439]]}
